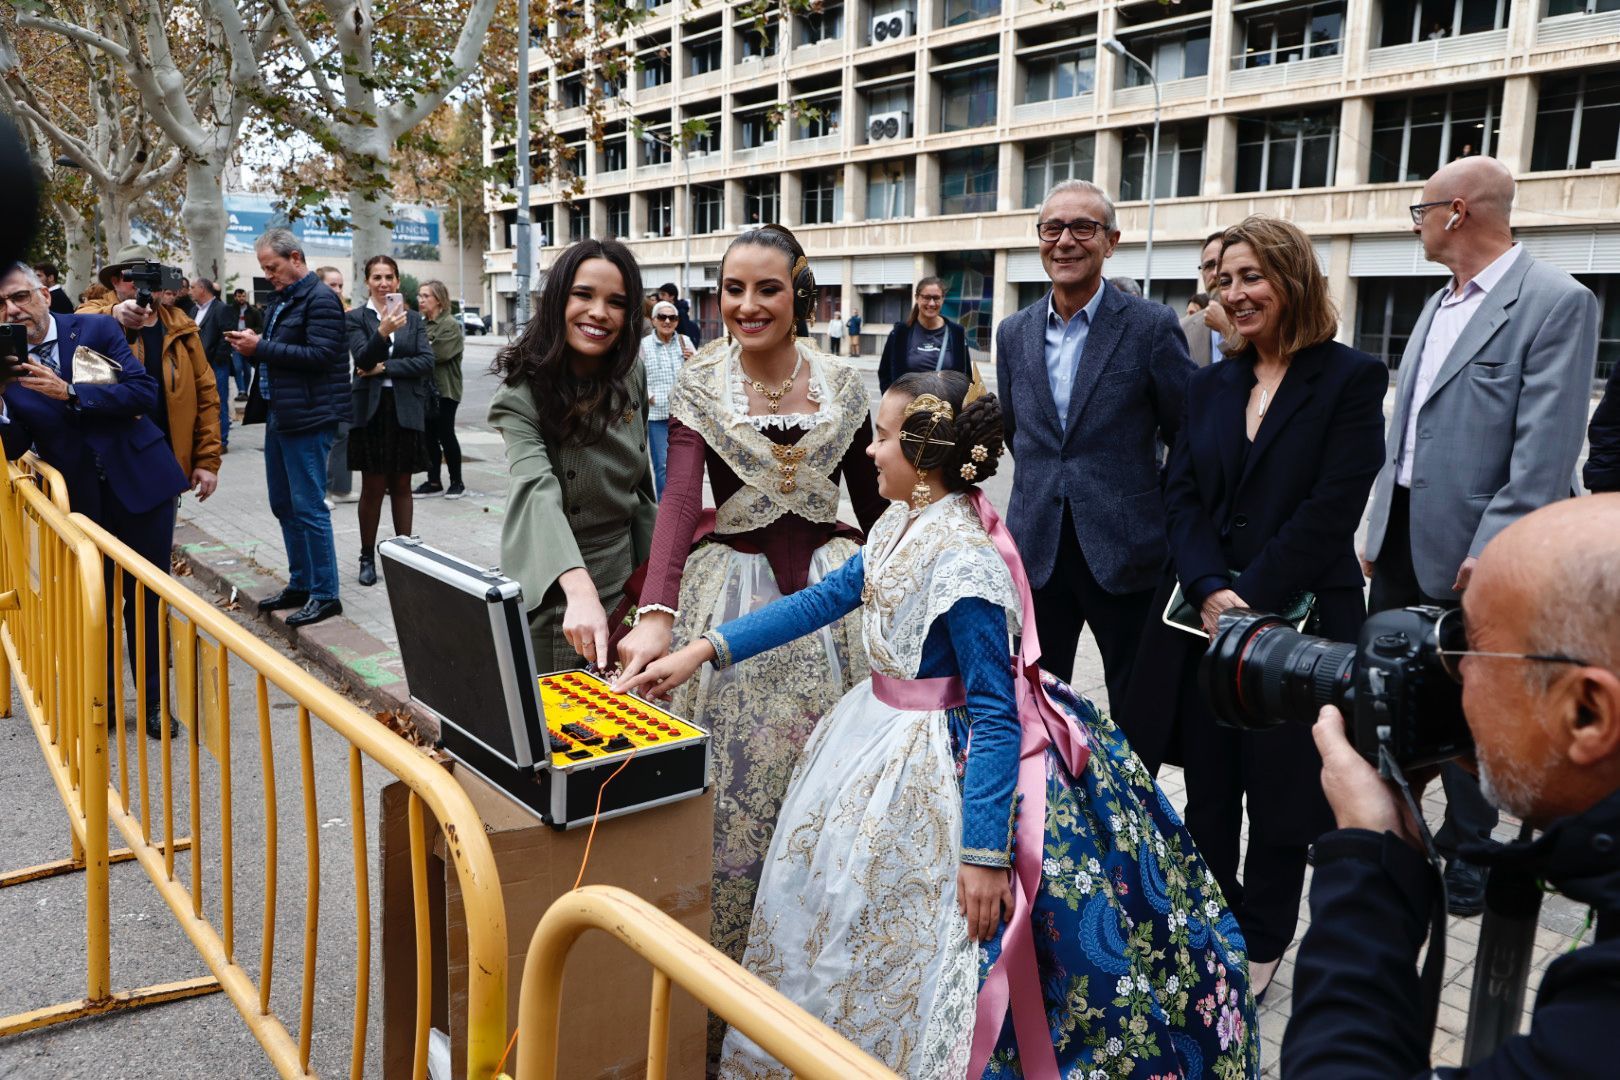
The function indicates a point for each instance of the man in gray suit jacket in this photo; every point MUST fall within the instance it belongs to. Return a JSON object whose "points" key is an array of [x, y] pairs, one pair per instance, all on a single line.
{"points": [[1204, 328], [1087, 378], [1489, 411]]}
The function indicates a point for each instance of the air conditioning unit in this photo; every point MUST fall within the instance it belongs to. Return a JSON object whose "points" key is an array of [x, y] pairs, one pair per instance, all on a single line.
{"points": [[893, 26], [888, 125]]}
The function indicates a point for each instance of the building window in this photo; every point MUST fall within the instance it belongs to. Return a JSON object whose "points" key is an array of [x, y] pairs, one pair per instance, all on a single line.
{"points": [[967, 180], [824, 25], [1181, 162], [892, 104], [654, 67], [1408, 21], [579, 222], [614, 157], [970, 283], [1180, 55], [965, 11], [708, 208], [967, 98], [1049, 163], [1412, 137], [661, 213], [1606, 287], [755, 129], [1291, 35], [762, 200], [571, 92], [703, 56], [891, 190], [823, 197], [1294, 150], [618, 217], [705, 141], [1060, 75], [1386, 311], [885, 306], [1577, 120], [820, 116], [756, 39]]}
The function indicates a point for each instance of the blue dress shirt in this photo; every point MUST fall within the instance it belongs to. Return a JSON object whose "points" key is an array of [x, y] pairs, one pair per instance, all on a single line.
{"points": [[1065, 343]]}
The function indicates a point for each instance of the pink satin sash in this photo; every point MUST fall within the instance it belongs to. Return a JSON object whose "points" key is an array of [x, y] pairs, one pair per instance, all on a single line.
{"points": [[1014, 982], [919, 695]]}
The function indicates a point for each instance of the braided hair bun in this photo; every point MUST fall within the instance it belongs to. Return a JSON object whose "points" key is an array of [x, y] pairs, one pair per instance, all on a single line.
{"points": [[966, 448], [783, 240]]}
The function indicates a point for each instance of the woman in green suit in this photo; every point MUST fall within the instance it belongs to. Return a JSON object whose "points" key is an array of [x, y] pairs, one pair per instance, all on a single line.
{"points": [[572, 410]]}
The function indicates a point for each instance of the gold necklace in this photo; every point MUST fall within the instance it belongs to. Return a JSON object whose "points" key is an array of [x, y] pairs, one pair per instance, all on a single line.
{"points": [[773, 398]]}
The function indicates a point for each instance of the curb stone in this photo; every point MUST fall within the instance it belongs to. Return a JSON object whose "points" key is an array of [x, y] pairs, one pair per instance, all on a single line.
{"points": [[366, 668]]}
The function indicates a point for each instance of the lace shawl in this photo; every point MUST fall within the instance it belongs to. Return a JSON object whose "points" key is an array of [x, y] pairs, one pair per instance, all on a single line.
{"points": [[913, 579], [703, 401]]}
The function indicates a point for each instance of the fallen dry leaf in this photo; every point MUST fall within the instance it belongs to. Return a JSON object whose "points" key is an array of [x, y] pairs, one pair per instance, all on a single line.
{"points": [[179, 566]]}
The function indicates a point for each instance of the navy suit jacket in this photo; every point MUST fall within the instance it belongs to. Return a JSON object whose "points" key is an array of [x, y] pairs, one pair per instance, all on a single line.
{"points": [[220, 318], [1102, 459], [1284, 511], [108, 430]]}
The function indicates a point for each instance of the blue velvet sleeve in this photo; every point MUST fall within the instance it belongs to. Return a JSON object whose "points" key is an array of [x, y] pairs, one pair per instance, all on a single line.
{"points": [[791, 617], [978, 637]]}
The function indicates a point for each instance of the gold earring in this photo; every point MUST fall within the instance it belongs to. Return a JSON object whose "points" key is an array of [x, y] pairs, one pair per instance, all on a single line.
{"points": [[921, 493]]}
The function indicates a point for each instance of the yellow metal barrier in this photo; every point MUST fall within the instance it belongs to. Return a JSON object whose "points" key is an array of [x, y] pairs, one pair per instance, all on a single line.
{"points": [[53, 483], [64, 578], [782, 1029]]}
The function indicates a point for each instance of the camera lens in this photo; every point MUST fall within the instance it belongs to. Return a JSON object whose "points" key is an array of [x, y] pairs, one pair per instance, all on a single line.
{"points": [[1260, 672]]}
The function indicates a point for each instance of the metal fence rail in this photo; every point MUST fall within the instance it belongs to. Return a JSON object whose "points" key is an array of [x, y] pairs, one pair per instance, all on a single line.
{"points": [[782, 1029], [62, 582]]}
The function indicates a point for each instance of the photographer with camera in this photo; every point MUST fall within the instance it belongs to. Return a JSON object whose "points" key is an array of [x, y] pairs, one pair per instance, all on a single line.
{"points": [[1536, 647], [77, 396], [167, 342]]}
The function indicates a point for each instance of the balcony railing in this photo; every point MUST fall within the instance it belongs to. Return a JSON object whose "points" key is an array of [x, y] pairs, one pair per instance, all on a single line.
{"points": [[1579, 28], [1032, 111], [1441, 52], [821, 145], [1275, 76], [1141, 97]]}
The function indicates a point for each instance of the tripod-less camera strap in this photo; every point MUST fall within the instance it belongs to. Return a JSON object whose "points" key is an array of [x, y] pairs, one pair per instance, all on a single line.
{"points": [[1432, 976]]}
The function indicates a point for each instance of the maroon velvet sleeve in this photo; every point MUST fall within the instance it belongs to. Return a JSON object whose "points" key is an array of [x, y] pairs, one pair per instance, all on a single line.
{"points": [[861, 476], [678, 511]]}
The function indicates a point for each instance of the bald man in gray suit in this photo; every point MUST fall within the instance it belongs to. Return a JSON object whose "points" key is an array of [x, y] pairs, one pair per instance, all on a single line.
{"points": [[1489, 412]]}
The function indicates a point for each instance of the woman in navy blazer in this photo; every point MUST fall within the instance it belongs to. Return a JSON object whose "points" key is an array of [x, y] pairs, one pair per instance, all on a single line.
{"points": [[1268, 478]]}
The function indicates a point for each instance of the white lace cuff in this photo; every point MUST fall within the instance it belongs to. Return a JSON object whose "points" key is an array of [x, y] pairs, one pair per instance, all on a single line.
{"points": [[671, 612]]}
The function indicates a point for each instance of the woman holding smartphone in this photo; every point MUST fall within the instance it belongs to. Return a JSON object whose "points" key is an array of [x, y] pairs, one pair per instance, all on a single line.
{"points": [[392, 362]]}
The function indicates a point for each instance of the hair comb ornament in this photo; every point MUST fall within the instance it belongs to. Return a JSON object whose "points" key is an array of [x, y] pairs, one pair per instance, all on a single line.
{"points": [[975, 389], [939, 408]]}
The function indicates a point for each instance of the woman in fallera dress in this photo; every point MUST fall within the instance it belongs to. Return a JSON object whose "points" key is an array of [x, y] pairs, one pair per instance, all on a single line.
{"points": [[972, 874], [776, 423]]}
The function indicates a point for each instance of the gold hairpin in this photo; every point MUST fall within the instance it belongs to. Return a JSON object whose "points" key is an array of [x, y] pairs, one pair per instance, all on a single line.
{"points": [[800, 265], [975, 389], [939, 408], [907, 436]]}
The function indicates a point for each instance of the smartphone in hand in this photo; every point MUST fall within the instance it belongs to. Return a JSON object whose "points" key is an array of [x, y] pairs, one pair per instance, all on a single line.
{"points": [[395, 302], [13, 350]]}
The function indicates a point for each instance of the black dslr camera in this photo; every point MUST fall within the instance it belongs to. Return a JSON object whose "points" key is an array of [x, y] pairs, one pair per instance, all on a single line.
{"points": [[1398, 689], [150, 277]]}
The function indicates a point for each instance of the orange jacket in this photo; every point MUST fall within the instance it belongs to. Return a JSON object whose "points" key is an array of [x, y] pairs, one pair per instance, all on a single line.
{"points": [[188, 385]]}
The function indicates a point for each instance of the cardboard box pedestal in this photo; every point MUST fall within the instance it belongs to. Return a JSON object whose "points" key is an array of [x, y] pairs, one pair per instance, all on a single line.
{"points": [[663, 855]]}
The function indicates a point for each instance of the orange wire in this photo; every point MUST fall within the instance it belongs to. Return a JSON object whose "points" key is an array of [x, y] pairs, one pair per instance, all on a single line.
{"points": [[583, 862], [500, 1066]]}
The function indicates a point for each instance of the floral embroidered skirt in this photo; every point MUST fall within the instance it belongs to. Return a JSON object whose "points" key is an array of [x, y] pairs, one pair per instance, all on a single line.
{"points": [[1142, 965]]}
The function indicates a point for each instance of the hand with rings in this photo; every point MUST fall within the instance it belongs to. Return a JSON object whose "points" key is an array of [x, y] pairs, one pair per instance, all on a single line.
{"points": [[584, 622]]}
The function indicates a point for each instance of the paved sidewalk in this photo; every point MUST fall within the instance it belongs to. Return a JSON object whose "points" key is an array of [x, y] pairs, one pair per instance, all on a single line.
{"points": [[233, 541]]}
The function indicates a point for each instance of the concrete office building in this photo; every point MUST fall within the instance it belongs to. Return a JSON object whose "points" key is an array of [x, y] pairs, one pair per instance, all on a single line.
{"points": [[928, 130]]}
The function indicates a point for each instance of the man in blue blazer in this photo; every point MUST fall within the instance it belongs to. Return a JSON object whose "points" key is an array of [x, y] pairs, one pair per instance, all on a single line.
{"points": [[1088, 378], [119, 470]]}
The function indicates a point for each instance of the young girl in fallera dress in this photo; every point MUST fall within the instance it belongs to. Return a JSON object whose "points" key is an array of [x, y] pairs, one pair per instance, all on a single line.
{"points": [[972, 873]]}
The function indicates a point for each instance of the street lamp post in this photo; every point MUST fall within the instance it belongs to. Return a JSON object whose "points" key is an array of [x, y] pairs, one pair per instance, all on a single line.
{"points": [[95, 228], [686, 172], [461, 257], [524, 253], [1115, 46]]}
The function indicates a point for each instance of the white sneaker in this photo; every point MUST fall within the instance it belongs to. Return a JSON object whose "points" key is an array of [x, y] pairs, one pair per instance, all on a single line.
{"points": [[330, 505]]}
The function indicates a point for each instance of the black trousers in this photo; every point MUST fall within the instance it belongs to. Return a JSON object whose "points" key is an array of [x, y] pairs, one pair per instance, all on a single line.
{"points": [[1072, 599], [151, 534], [442, 441], [1266, 901], [1468, 816]]}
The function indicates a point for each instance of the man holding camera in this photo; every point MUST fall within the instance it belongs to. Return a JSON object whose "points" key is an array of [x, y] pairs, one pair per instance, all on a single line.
{"points": [[167, 343], [97, 435], [1490, 405], [1541, 694]]}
